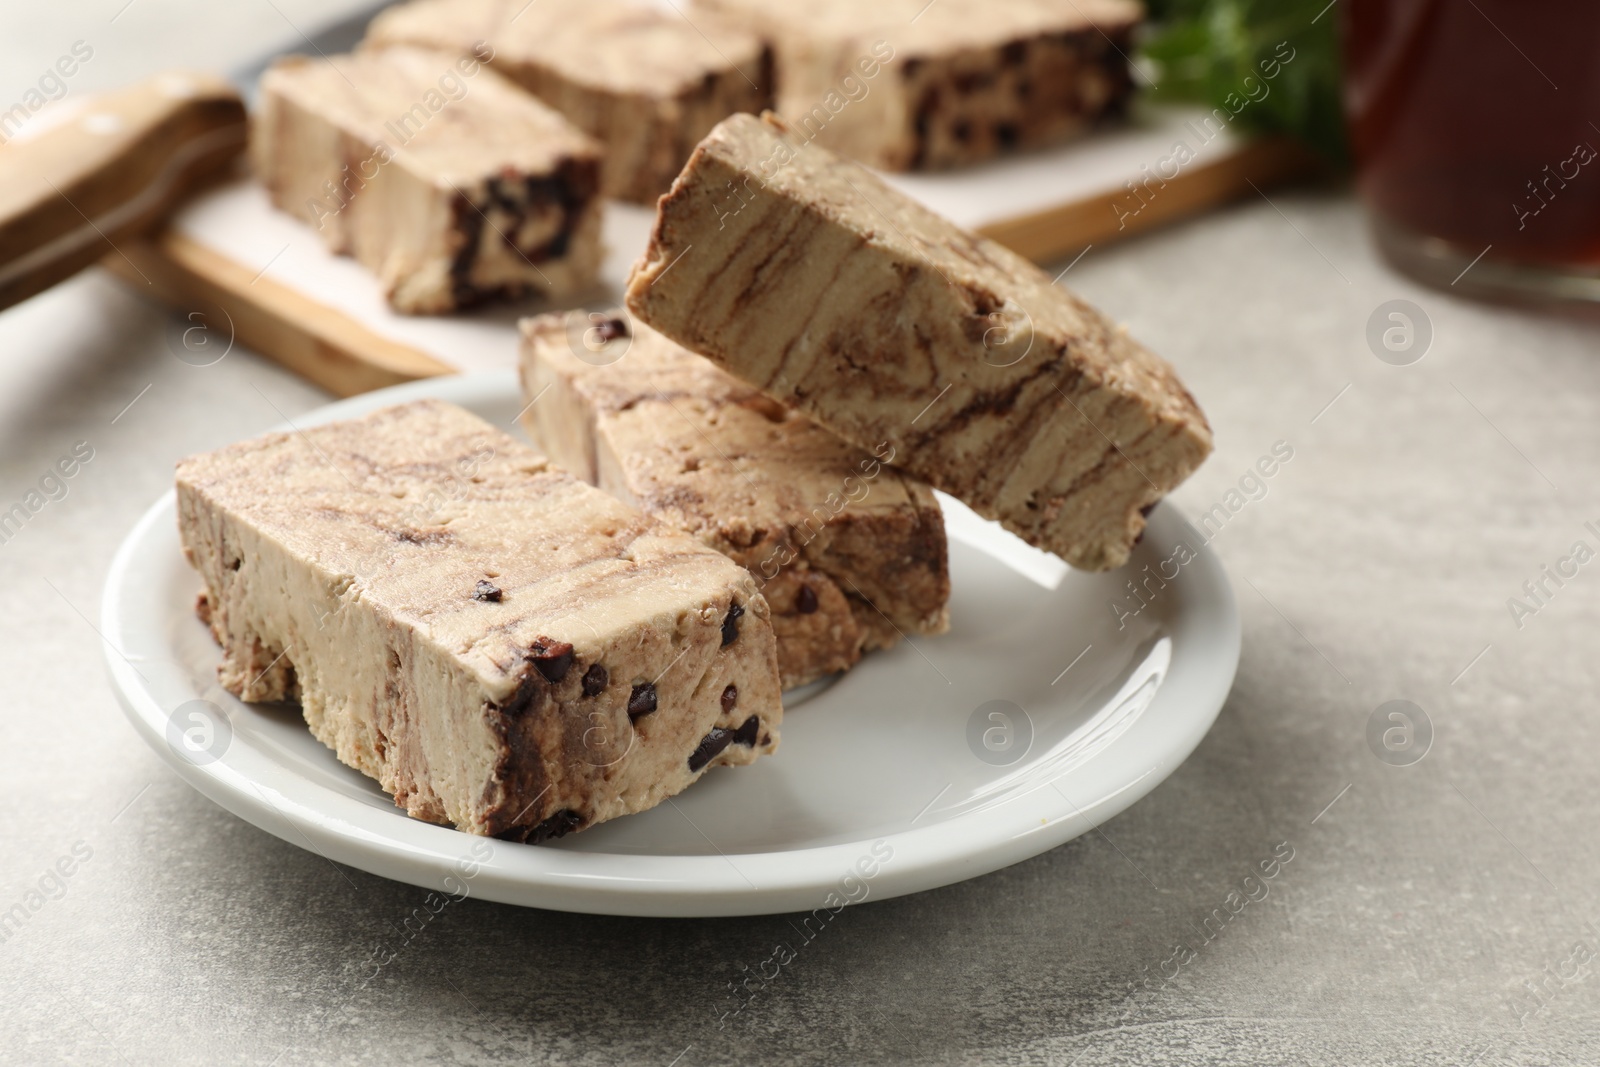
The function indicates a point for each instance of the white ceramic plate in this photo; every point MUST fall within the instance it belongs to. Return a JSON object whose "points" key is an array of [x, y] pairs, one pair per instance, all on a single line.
{"points": [[1055, 701]]}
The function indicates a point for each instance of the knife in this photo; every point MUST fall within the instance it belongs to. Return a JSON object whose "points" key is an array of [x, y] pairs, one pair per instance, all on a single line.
{"points": [[72, 189]]}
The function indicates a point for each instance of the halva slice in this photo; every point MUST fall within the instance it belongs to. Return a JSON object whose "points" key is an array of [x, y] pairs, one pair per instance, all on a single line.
{"points": [[849, 552], [646, 81], [806, 276], [909, 84], [501, 646], [445, 180]]}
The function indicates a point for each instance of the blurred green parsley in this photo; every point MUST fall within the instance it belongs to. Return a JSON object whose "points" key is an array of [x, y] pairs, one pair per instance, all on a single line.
{"points": [[1204, 50]]}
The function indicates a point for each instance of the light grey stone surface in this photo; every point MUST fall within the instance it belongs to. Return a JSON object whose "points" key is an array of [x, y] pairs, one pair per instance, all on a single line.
{"points": [[1377, 566]]}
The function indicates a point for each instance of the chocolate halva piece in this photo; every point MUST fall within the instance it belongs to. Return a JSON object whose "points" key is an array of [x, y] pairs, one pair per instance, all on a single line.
{"points": [[849, 552], [345, 567], [445, 180], [907, 84], [646, 81], [808, 277]]}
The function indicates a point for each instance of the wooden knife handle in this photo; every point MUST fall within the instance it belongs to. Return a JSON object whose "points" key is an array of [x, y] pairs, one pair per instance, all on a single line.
{"points": [[115, 168]]}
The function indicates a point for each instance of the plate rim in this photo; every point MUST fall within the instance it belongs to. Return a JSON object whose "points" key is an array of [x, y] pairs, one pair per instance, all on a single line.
{"points": [[704, 885]]}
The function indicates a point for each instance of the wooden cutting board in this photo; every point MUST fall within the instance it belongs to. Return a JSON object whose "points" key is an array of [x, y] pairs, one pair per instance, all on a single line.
{"points": [[250, 275]]}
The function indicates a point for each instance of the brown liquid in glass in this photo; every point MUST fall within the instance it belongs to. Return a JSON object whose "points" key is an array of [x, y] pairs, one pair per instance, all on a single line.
{"points": [[1478, 121]]}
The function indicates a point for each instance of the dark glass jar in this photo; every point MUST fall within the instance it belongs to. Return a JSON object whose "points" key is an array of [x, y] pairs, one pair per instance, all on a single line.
{"points": [[1474, 125]]}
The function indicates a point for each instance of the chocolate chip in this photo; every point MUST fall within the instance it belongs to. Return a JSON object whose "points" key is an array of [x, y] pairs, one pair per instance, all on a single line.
{"points": [[746, 734], [566, 193], [1006, 134], [558, 825], [730, 697], [552, 658], [468, 225], [642, 701], [522, 699], [730, 625], [1145, 511], [1014, 53], [807, 600], [594, 680], [711, 745], [611, 329], [487, 591]]}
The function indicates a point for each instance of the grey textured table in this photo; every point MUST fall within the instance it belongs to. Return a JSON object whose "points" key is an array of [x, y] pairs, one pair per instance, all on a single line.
{"points": [[1437, 913]]}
